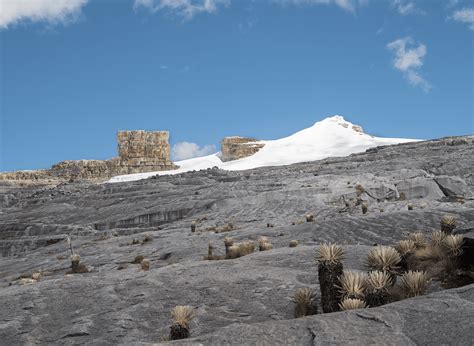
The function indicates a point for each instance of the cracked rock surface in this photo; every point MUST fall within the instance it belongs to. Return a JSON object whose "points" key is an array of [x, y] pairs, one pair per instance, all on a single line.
{"points": [[244, 300]]}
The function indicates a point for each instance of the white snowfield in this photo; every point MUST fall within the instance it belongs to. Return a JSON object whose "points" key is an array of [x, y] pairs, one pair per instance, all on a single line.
{"points": [[330, 137]]}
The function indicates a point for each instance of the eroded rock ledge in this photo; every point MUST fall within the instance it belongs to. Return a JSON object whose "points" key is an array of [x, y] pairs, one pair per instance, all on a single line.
{"points": [[139, 151]]}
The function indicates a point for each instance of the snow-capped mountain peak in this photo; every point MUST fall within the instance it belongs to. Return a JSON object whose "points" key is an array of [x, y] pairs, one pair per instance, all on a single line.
{"points": [[330, 137]]}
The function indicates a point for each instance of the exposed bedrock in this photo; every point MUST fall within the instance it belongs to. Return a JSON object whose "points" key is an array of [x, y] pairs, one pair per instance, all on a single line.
{"points": [[246, 300]]}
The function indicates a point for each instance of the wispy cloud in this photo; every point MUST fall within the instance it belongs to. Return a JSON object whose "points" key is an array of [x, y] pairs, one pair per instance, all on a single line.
{"points": [[347, 5], [184, 8], [409, 60], [49, 11], [466, 15], [405, 7], [188, 150]]}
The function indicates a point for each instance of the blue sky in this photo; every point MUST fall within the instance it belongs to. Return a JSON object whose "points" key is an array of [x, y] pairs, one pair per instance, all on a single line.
{"points": [[73, 72]]}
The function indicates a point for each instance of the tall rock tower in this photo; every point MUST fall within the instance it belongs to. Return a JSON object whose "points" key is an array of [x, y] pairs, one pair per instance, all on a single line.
{"points": [[144, 151]]}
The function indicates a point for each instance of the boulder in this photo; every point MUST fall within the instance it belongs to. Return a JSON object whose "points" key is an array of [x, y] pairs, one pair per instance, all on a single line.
{"points": [[419, 187], [453, 186]]}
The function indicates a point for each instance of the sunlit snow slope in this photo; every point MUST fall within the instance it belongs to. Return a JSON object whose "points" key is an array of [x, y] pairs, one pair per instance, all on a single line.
{"points": [[330, 137]]}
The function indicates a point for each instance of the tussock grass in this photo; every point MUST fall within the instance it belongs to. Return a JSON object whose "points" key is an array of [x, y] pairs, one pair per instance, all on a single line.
{"points": [[294, 243], [181, 316]]}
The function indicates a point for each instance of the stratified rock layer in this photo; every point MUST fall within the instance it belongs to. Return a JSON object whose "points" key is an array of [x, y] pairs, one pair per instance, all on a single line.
{"points": [[234, 148]]}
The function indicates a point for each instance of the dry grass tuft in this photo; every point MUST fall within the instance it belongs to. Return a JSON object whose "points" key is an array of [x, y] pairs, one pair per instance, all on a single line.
{"points": [[418, 238], [264, 244], [36, 276], [383, 258], [182, 315], [351, 304], [240, 249], [146, 264], [228, 241], [294, 243], [352, 284], [378, 281], [329, 253], [453, 244], [365, 208], [138, 259], [147, 238], [414, 283], [405, 246]]}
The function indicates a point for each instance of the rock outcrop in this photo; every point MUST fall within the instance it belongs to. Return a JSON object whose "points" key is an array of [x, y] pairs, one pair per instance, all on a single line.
{"points": [[144, 151], [234, 148], [139, 151]]}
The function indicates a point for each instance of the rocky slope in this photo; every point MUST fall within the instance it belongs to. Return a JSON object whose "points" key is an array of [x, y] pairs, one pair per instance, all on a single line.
{"points": [[240, 301]]}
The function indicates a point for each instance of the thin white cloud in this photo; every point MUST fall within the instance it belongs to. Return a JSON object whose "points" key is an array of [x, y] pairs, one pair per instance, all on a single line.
{"points": [[49, 11], [409, 59], [186, 150], [405, 7], [184, 8], [347, 5], [466, 15]]}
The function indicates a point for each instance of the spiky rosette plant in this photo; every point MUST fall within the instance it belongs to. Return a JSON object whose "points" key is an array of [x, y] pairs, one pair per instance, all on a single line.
{"points": [[377, 288], [414, 283], [329, 258], [384, 258], [405, 248], [418, 238], [352, 304], [305, 300], [75, 261], [437, 238], [453, 244], [352, 284], [228, 242], [181, 316], [448, 224]]}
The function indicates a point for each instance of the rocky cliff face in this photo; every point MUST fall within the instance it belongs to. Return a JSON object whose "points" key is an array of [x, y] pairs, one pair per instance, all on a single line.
{"points": [[234, 148], [139, 151]]}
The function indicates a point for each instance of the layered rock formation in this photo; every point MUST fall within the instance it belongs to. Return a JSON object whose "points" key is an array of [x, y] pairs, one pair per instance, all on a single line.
{"points": [[143, 151], [139, 151], [234, 148]]}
